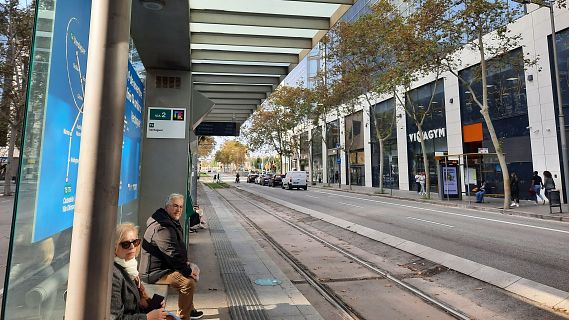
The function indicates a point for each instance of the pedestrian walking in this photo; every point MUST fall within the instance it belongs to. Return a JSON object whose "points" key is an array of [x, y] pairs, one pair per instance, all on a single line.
{"points": [[548, 183], [536, 186], [417, 183], [515, 190]]}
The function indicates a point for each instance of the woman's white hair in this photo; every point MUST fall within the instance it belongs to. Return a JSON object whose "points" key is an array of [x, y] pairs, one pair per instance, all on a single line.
{"points": [[173, 196]]}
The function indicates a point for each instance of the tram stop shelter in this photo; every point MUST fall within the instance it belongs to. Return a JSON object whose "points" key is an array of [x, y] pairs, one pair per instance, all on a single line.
{"points": [[106, 143], [461, 174]]}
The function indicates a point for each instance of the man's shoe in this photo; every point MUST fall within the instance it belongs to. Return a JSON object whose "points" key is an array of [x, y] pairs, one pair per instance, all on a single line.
{"points": [[195, 314]]}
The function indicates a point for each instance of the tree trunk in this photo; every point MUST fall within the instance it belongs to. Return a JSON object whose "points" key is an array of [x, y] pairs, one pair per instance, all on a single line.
{"points": [[425, 163], [10, 162], [486, 115], [501, 157]]}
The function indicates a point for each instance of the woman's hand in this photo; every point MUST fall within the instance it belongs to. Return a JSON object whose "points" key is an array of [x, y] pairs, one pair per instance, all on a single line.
{"points": [[158, 314]]}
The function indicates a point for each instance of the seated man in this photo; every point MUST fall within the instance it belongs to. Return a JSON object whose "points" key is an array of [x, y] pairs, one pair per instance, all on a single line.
{"points": [[481, 192], [164, 258]]}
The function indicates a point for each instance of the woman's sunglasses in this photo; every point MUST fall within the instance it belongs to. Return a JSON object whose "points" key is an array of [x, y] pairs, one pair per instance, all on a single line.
{"points": [[126, 244]]}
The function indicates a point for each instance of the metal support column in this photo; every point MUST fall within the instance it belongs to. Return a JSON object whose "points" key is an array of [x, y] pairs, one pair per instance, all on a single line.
{"points": [[89, 284]]}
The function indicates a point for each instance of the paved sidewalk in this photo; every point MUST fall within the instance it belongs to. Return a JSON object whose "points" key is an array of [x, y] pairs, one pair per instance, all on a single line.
{"points": [[527, 208]]}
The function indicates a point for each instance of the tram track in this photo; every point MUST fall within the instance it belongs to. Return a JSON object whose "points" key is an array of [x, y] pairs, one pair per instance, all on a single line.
{"points": [[346, 311]]}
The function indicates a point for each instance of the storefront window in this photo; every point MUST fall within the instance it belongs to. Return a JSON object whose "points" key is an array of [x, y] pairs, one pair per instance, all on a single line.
{"points": [[332, 143], [434, 131], [383, 116], [317, 154], [562, 41], [509, 113], [354, 136], [304, 150]]}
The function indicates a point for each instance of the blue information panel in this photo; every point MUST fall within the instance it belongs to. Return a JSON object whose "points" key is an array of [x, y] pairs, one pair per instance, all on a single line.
{"points": [[55, 201], [128, 190]]}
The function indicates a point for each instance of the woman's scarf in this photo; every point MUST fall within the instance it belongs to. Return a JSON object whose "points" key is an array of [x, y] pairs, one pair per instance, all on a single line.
{"points": [[129, 266]]}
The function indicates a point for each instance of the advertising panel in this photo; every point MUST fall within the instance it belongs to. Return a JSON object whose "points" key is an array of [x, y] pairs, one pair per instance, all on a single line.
{"points": [[61, 137], [128, 189], [450, 182]]}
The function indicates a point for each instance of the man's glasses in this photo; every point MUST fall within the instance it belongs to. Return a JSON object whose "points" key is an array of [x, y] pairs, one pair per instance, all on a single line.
{"points": [[126, 244], [176, 206]]}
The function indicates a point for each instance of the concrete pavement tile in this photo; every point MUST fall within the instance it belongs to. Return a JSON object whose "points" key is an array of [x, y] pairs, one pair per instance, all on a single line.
{"points": [[340, 222], [535, 291], [562, 306], [364, 231], [392, 241], [462, 265], [495, 277], [434, 255], [412, 247]]}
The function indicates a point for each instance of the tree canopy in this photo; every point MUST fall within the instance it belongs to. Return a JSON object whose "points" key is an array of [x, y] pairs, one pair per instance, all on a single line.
{"points": [[232, 152]]}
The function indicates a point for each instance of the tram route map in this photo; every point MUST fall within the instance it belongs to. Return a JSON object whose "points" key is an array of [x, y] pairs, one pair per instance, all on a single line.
{"points": [[55, 200]]}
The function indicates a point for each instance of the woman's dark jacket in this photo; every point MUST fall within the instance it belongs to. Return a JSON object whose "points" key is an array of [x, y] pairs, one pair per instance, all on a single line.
{"points": [[163, 248], [125, 298]]}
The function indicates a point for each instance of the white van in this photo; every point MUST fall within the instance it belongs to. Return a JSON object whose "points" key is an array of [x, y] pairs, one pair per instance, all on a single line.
{"points": [[295, 179]]}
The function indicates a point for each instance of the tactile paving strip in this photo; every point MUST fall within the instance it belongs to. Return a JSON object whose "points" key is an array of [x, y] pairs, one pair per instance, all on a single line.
{"points": [[243, 300]]}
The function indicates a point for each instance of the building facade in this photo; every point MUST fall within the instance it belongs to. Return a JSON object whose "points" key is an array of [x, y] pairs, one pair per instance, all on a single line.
{"points": [[523, 108]]}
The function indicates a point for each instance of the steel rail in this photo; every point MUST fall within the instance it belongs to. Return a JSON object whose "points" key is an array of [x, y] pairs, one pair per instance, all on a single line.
{"points": [[440, 304]]}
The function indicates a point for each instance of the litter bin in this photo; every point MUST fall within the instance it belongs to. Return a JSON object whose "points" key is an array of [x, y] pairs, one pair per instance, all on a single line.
{"points": [[554, 200]]}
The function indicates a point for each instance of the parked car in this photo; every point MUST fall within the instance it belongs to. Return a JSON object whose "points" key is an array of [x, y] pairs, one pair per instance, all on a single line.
{"points": [[251, 177], [276, 180], [264, 178], [295, 179]]}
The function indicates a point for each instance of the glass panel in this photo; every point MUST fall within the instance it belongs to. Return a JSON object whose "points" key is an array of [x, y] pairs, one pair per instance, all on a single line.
{"points": [[317, 154], [41, 240], [333, 134], [382, 114], [45, 200], [562, 41], [509, 113]]}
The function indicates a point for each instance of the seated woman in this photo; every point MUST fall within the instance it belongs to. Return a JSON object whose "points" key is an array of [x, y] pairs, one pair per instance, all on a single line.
{"points": [[129, 300], [481, 192]]}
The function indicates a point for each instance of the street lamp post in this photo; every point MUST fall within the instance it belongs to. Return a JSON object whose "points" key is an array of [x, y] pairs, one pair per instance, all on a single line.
{"points": [[561, 116]]}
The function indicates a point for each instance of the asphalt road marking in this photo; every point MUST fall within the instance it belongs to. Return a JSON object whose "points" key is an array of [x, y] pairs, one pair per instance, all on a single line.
{"points": [[451, 213], [312, 196], [440, 224], [349, 204]]}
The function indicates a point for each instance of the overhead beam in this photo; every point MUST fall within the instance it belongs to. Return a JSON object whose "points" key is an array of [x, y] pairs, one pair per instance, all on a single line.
{"points": [[238, 69], [250, 40], [350, 2], [231, 88], [244, 56], [258, 19], [235, 107], [231, 111], [235, 102], [234, 95], [211, 79], [214, 118]]}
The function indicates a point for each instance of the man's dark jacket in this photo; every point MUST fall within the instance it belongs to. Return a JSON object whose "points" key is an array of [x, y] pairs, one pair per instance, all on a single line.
{"points": [[163, 248]]}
